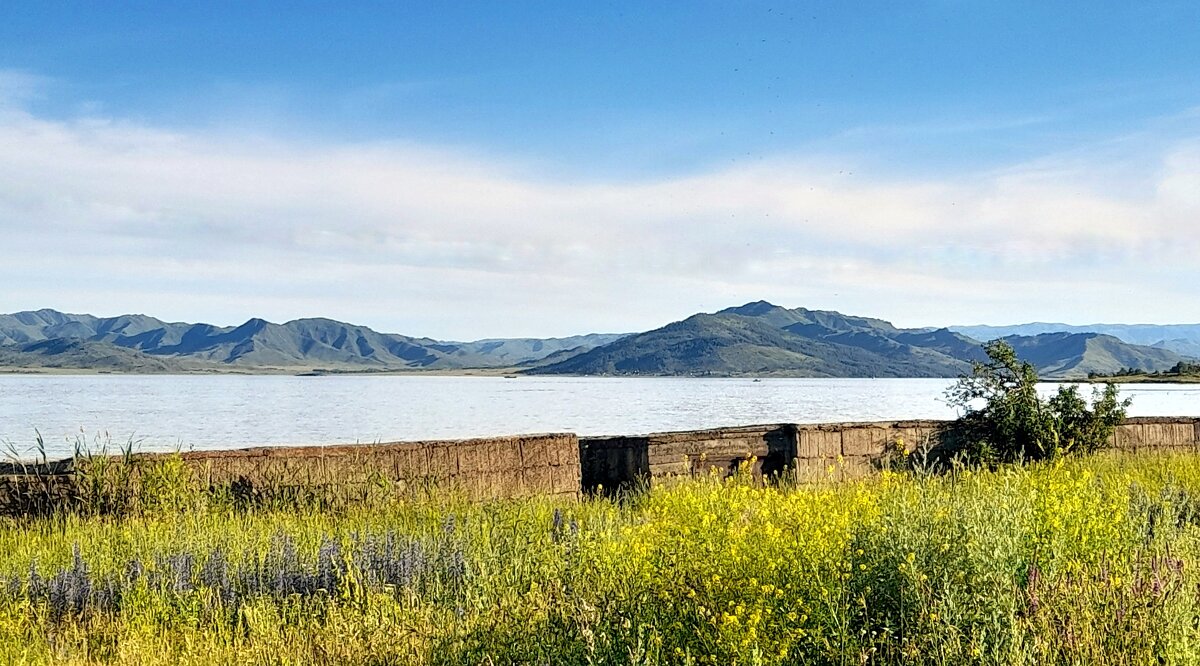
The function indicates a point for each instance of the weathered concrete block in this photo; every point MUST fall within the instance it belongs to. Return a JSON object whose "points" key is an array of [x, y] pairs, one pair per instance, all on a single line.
{"points": [[1155, 436], [494, 485], [676, 449], [1138, 434], [443, 461], [398, 464], [472, 458], [916, 438], [865, 441], [504, 454], [741, 443], [418, 462], [566, 451], [812, 470], [536, 453], [538, 480], [511, 484], [565, 479], [1177, 435], [819, 443], [719, 450], [1111, 442], [856, 467], [1129, 437], [718, 443], [670, 469]]}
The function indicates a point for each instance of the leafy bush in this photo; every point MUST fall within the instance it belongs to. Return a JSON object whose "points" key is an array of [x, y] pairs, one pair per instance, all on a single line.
{"points": [[1185, 368], [1006, 420]]}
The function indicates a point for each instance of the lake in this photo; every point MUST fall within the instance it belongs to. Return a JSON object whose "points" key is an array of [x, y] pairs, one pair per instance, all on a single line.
{"points": [[163, 412]]}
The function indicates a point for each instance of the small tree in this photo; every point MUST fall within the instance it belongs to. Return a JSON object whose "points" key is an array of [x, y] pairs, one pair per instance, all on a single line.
{"points": [[1185, 368], [1005, 420]]}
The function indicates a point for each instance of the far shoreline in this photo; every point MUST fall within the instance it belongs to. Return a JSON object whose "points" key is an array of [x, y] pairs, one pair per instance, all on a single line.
{"points": [[1138, 379], [515, 373]]}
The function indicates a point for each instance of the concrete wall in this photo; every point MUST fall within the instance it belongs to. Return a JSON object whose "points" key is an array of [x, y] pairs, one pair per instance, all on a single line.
{"points": [[1142, 434], [841, 450], [495, 467], [856, 449], [613, 463], [557, 464], [486, 468]]}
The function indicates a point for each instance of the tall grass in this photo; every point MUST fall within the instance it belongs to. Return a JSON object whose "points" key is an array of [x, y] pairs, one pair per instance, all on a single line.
{"points": [[1076, 562]]}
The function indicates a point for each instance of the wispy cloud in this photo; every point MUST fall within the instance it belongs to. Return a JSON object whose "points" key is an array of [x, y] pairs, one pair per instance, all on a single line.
{"points": [[105, 215], [950, 126], [19, 87]]}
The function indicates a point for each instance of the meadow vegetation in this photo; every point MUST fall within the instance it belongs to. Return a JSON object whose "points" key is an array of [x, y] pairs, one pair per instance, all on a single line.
{"points": [[1070, 561]]}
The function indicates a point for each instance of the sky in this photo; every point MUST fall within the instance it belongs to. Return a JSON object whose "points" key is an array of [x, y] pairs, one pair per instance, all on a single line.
{"points": [[468, 170]]}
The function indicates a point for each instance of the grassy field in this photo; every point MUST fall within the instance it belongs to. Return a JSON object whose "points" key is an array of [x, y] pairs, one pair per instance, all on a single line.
{"points": [[1083, 562], [1146, 379]]}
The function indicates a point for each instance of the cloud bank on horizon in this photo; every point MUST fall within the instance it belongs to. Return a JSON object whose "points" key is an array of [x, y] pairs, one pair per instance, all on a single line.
{"points": [[110, 210]]}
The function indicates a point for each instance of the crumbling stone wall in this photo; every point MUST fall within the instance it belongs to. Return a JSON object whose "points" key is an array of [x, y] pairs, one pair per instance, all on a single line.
{"points": [[486, 468], [558, 464], [852, 450], [1142, 433], [615, 463], [812, 451]]}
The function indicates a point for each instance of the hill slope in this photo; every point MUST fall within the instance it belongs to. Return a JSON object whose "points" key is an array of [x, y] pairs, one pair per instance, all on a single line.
{"points": [[1075, 355], [66, 354], [764, 339], [1182, 339]]}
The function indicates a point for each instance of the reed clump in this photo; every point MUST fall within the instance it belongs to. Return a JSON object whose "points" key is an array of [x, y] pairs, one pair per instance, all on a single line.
{"points": [[1072, 561]]}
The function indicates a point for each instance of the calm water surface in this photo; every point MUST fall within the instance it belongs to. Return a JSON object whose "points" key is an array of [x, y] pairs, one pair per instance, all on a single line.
{"points": [[213, 412]]}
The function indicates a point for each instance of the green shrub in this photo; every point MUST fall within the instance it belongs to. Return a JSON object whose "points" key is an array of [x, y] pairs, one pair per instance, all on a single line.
{"points": [[1004, 419], [1185, 368]]}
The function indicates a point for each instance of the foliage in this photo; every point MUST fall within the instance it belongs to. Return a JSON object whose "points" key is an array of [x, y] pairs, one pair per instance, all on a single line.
{"points": [[1092, 560], [1005, 419], [1122, 372], [1185, 368]]}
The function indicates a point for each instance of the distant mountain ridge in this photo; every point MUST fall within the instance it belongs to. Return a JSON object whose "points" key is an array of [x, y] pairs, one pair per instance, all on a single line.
{"points": [[301, 343], [755, 339], [1183, 339], [1076, 355], [761, 339]]}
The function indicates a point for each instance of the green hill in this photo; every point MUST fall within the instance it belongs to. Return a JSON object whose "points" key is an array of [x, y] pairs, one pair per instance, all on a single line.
{"points": [[1183, 339], [1076, 355], [62, 354], [763, 339]]}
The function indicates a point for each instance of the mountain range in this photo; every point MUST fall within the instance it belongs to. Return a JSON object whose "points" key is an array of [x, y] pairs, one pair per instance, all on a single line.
{"points": [[139, 342], [756, 339], [762, 339], [1183, 339]]}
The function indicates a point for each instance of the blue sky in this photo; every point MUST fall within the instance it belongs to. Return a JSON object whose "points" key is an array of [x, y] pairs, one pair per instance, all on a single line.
{"points": [[437, 167]]}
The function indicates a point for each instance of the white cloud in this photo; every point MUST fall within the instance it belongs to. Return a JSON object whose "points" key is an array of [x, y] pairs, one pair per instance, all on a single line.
{"points": [[109, 216]]}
